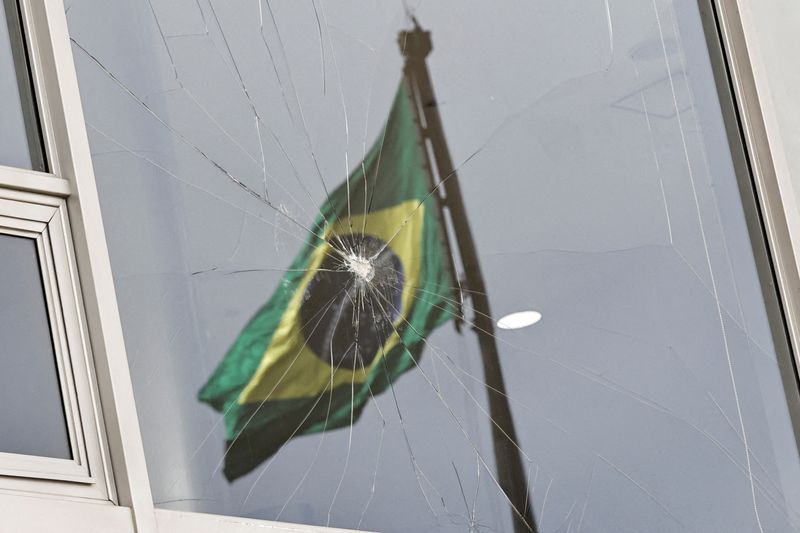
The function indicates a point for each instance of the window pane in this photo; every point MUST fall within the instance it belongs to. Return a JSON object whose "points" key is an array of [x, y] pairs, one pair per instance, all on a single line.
{"points": [[20, 138], [254, 277], [31, 412]]}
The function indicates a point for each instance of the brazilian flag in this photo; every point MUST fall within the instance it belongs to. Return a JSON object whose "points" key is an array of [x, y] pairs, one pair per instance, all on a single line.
{"points": [[351, 313]]}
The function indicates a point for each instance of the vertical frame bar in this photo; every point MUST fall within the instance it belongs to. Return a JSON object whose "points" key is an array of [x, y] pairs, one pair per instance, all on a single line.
{"points": [[70, 159], [761, 200]]}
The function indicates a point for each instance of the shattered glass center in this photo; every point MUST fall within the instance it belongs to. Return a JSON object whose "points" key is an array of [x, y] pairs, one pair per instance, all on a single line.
{"points": [[351, 303], [361, 266]]}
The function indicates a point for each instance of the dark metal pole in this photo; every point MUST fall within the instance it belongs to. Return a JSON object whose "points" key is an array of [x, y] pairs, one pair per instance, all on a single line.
{"points": [[415, 45]]}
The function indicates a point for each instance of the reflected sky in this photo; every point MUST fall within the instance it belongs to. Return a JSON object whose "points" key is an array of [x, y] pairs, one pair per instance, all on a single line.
{"points": [[597, 178]]}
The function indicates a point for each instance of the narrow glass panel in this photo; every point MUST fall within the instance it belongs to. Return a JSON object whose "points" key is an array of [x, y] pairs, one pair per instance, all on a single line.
{"points": [[575, 339], [20, 136], [31, 411]]}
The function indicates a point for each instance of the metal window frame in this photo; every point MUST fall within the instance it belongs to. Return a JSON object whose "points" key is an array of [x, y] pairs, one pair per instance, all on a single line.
{"points": [[59, 209], [760, 191], [42, 219]]}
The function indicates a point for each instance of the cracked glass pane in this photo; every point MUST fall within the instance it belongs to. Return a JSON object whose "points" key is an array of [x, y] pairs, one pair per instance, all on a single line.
{"points": [[436, 266]]}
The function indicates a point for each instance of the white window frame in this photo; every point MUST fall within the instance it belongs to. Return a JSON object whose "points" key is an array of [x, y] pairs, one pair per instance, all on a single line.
{"points": [[60, 211], [43, 220], [765, 142], [78, 265]]}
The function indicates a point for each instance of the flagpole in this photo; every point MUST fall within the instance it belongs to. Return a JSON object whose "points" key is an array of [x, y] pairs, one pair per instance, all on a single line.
{"points": [[415, 45]]}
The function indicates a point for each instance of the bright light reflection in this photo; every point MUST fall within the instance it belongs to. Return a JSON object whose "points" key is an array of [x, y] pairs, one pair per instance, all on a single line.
{"points": [[519, 320]]}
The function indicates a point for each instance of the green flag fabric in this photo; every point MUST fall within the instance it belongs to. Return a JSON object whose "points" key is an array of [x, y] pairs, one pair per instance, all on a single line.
{"points": [[351, 313]]}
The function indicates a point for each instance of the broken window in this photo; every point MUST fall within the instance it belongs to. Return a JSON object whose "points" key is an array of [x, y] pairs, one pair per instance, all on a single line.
{"points": [[433, 267]]}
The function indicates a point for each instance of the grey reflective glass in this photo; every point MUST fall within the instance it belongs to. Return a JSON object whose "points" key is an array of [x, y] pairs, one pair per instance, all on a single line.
{"points": [[349, 351], [20, 136], [31, 410]]}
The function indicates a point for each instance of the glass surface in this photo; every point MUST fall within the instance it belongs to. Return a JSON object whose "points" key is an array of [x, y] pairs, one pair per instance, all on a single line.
{"points": [[597, 181], [31, 412], [20, 138]]}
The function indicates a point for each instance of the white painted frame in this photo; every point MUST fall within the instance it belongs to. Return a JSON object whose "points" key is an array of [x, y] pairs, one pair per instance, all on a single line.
{"points": [[61, 211], [764, 145], [43, 220], [70, 189]]}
